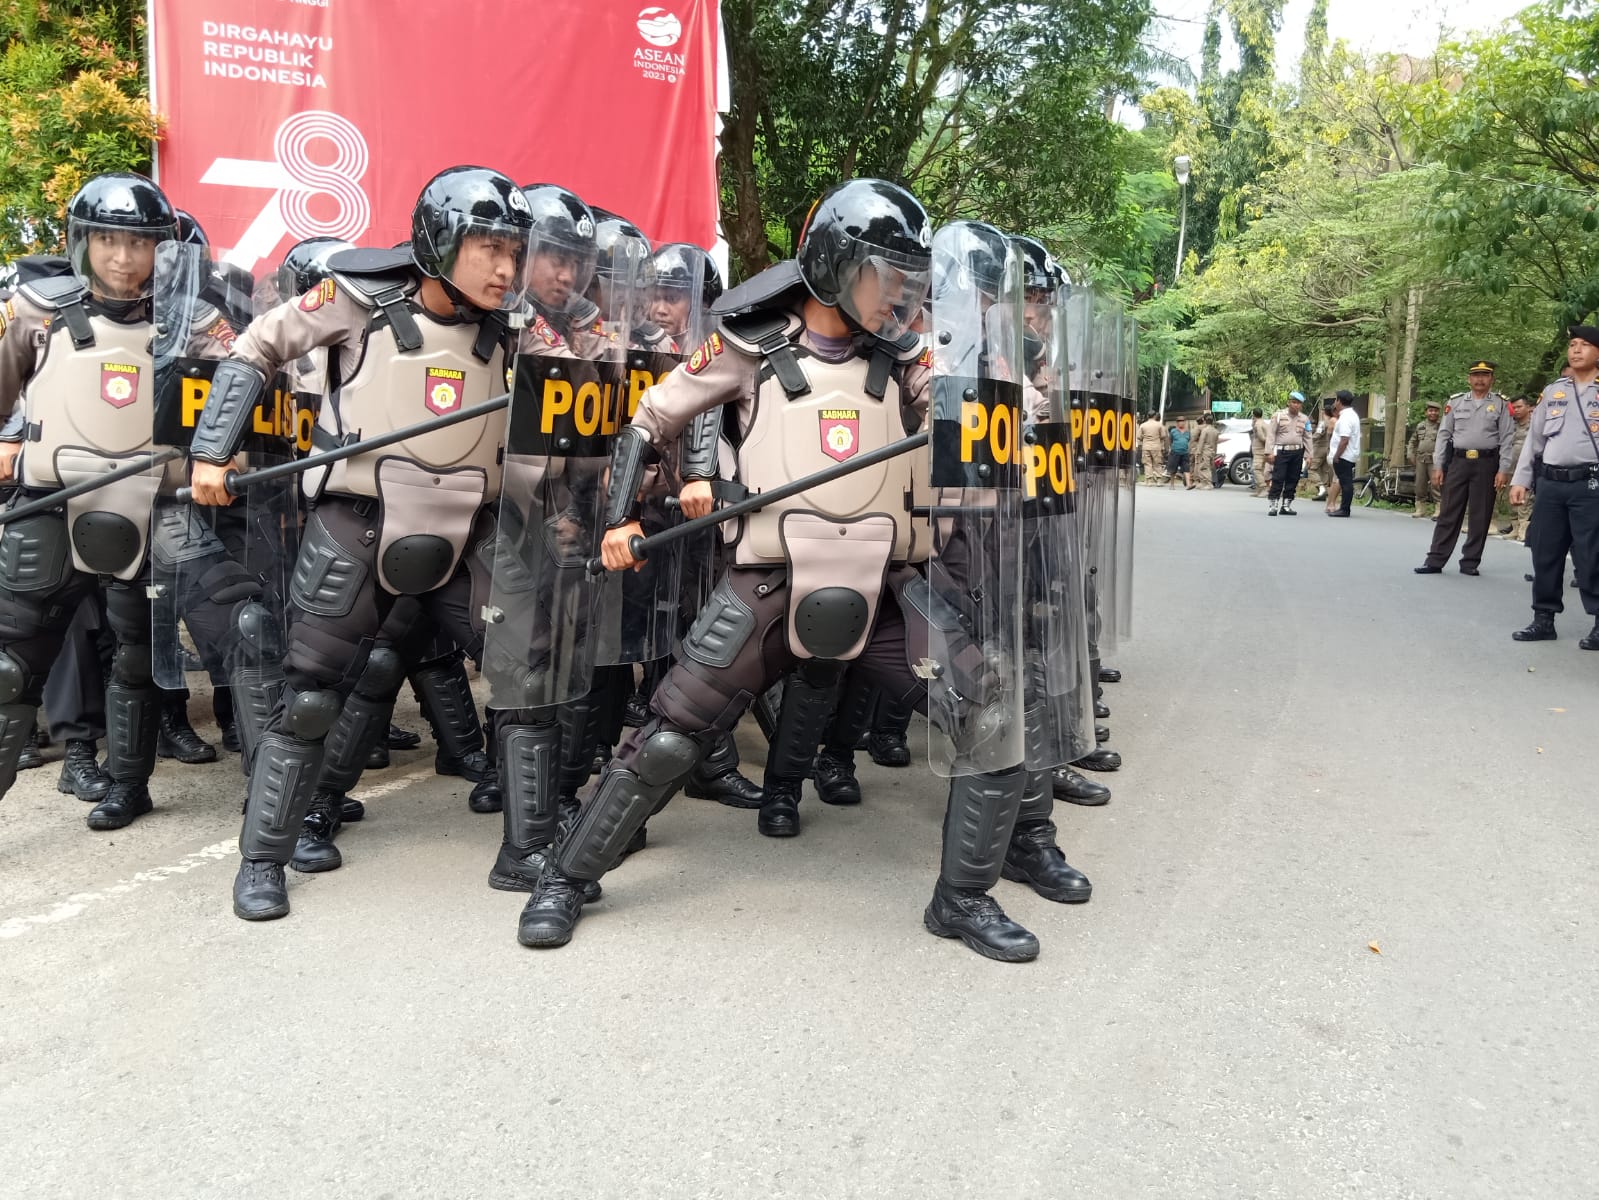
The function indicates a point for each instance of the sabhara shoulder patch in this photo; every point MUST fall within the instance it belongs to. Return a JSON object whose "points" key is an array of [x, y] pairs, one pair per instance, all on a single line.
{"points": [[318, 296], [545, 333], [926, 360], [701, 358]]}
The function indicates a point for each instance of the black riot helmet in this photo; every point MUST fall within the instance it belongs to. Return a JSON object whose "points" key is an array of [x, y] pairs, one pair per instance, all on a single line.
{"points": [[617, 242], [190, 233], [561, 257], [472, 204], [115, 221], [866, 251], [1040, 271], [970, 254], [233, 289], [306, 265], [683, 283]]}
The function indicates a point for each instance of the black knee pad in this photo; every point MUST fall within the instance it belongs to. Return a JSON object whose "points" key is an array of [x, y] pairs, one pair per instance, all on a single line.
{"points": [[131, 664], [310, 715], [665, 757], [13, 678], [383, 674]]}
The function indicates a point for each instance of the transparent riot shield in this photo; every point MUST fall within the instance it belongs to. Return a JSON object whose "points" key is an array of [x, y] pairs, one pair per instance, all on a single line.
{"points": [[541, 635], [1127, 474], [218, 576], [642, 613], [973, 605], [1097, 482], [1057, 684]]}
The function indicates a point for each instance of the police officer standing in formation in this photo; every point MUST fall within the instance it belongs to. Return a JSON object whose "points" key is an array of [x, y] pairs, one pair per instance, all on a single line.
{"points": [[1562, 456], [409, 339], [1287, 441], [1423, 442], [1471, 462], [76, 354]]}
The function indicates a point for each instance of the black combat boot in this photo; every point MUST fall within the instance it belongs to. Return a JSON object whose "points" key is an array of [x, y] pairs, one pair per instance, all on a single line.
{"points": [[177, 737], [978, 822], [378, 758], [834, 775], [486, 795], [1073, 788], [446, 697], [133, 715], [1033, 858], [1100, 760], [976, 918], [230, 738], [282, 787], [1101, 710], [551, 911], [402, 739], [779, 816], [637, 710], [527, 758], [1542, 629], [888, 749], [1591, 642], [1109, 675], [717, 777], [222, 708], [350, 811], [81, 773], [31, 759], [315, 850], [1102, 734]]}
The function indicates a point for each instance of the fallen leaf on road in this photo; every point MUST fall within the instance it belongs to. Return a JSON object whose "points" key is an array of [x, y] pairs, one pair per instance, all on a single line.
{"points": [[1557, 710], [1374, 947], [1540, 749]]}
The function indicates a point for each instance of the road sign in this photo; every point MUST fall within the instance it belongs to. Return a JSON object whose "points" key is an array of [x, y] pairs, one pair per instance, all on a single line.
{"points": [[1226, 406]]}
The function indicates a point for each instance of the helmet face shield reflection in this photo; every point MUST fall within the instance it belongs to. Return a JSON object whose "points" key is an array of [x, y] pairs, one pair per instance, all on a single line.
{"points": [[883, 296], [484, 260]]}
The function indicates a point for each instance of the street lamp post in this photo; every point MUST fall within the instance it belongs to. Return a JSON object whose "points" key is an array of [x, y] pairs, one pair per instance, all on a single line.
{"points": [[1180, 166]]}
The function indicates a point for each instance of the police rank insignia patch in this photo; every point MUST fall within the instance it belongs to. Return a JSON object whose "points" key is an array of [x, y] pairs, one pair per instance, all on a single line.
{"points": [[926, 360], [841, 432], [701, 358], [444, 389], [317, 296], [223, 332], [546, 335], [119, 384]]}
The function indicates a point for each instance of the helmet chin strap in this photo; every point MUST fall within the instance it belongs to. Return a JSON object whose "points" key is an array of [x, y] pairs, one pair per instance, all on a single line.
{"points": [[466, 310]]}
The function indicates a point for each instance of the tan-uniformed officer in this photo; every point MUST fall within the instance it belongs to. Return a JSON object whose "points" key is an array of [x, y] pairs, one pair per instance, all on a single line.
{"points": [[1563, 451], [1257, 453], [1474, 440], [1321, 445], [1151, 447], [1423, 442], [1520, 514]]}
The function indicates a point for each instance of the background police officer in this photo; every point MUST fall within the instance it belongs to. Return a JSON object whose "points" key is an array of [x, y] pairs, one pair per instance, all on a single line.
{"points": [[1474, 442]]}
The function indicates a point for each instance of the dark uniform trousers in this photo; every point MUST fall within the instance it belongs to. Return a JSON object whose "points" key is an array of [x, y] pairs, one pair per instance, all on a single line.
{"points": [[1565, 521], [1285, 471], [74, 694], [1468, 487]]}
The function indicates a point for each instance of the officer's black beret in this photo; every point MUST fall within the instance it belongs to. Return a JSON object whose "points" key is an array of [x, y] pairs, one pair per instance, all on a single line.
{"points": [[1588, 333]]}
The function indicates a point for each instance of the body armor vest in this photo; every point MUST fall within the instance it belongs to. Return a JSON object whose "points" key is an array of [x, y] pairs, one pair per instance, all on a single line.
{"points": [[832, 423], [429, 487], [91, 409]]}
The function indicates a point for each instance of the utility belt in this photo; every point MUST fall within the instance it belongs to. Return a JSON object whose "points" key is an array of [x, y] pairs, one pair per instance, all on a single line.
{"points": [[1299, 449], [1474, 455], [1569, 474]]}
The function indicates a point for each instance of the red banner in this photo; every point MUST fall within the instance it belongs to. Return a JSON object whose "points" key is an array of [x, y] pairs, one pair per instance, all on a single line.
{"points": [[288, 119]]}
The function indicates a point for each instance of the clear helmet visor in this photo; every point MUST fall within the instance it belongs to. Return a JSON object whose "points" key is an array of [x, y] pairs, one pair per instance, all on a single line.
{"points": [[558, 269], [113, 261], [883, 296], [485, 261]]}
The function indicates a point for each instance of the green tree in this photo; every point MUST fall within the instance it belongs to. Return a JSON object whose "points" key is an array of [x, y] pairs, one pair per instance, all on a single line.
{"points": [[73, 103]]}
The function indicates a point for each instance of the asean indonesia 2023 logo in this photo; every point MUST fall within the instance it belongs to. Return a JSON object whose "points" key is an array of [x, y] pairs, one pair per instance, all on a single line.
{"points": [[661, 30]]}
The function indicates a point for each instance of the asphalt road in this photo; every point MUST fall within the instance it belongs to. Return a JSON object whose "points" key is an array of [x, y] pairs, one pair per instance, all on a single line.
{"points": [[1342, 943]]}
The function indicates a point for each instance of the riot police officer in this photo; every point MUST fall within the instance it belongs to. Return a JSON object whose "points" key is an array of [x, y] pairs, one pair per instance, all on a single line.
{"points": [[409, 338], [76, 353], [828, 331]]}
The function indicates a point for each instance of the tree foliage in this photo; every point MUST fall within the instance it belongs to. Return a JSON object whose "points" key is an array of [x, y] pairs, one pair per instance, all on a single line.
{"points": [[73, 103]]}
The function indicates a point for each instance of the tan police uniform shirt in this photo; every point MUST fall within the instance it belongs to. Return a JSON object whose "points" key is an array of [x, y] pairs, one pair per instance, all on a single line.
{"points": [[1562, 429], [1471, 424], [1287, 432]]}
